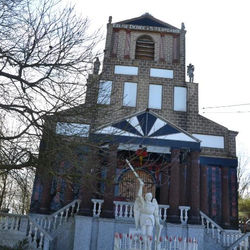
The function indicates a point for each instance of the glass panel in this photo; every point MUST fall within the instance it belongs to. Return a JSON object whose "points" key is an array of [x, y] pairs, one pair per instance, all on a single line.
{"points": [[72, 129], [164, 73], [129, 94], [155, 96], [180, 99], [210, 141], [126, 70], [104, 94]]}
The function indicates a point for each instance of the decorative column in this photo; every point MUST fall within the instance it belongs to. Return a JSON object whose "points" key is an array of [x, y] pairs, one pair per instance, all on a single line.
{"points": [[164, 187], [174, 192], [204, 190], [195, 188], [225, 197], [115, 42], [88, 182], [68, 193], [183, 181], [162, 48], [46, 181], [85, 196], [109, 183], [127, 45], [176, 48]]}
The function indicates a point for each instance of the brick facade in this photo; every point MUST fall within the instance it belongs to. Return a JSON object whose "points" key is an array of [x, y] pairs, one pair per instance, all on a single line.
{"points": [[199, 167]]}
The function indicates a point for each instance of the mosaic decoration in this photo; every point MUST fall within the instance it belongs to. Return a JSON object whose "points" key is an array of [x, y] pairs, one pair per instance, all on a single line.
{"points": [[233, 193], [151, 129], [36, 195], [214, 192]]}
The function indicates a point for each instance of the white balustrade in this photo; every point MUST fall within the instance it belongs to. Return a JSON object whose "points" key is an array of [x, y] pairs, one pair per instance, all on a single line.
{"points": [[124, 210], [242, 242], [51, 222], [36, 227], [38, 237], [163, 212], [97, 208], [224, 237], [10, 221], [184, 214], [64, 214]]}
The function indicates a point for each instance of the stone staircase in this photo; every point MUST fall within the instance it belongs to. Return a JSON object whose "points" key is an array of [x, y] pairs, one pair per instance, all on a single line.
{"points": [[218, 238], [40, 230], [57, 231]]}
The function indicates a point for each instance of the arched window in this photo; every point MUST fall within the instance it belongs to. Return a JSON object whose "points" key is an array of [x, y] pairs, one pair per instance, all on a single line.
{"points": [[145, 48], [129, 185]]}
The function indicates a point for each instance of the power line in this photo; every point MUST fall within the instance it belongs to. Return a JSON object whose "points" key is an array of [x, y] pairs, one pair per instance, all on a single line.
{"points": [[227, 112], [227, 106]]}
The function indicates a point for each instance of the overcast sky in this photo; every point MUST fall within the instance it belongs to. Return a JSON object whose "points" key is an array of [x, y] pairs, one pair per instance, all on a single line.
{"points": [[217, 43]]}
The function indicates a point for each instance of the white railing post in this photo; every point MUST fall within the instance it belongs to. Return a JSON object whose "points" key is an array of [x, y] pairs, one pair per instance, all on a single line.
{"points": [[123, 210], [163, 212], [184, 214], [97, 208]]}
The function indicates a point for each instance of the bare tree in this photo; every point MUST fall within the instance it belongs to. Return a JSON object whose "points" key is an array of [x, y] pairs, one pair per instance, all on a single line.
{"points": [[243, 176], [45, 55]]}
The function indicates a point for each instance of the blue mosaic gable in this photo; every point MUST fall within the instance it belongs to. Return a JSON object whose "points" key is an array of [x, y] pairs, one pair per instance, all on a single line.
{"points": [[147, 129]]}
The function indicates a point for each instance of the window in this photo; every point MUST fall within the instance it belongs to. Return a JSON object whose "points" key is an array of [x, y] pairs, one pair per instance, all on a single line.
{"points": [[163, 73], [129, 185], [155, 96], [210, 141], [129, 94], [105, 88], [126, 70], [144, 48], [72, 129], [180, 99]]}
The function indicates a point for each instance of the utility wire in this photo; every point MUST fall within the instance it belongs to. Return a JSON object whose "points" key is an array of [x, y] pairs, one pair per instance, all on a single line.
{"points": [[227, 106], [228, 112]]}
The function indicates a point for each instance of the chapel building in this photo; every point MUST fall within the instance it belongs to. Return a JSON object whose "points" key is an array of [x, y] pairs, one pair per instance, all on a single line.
{"points": [[141, 108]]}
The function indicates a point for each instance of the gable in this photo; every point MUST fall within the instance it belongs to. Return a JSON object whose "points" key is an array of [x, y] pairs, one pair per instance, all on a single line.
{"points": [[147, 20], [148, 129]]}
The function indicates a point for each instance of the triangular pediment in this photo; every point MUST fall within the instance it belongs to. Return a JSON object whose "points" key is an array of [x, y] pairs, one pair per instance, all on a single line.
{"points": [[147, 127], [147, 20]]}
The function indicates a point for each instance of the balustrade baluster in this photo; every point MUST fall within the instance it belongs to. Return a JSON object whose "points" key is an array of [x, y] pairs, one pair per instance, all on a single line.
{"points": [[61, 218], [6, 223], [99, 208], [55, 221], [218, 235], [186, 215], [18, 221], [78, 206], [202, 220], [66, 215], [165, 214], [126, 211], [30, 231], [120, 210], [12, 226], [49, 225], [116, 210], [35, 235], [208, 226], [131, 211], [94, 208], [41, 240], [213, 230]]}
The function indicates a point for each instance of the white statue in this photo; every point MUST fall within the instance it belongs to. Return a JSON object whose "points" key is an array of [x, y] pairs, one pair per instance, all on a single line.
{"points": [[146, 214]]}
